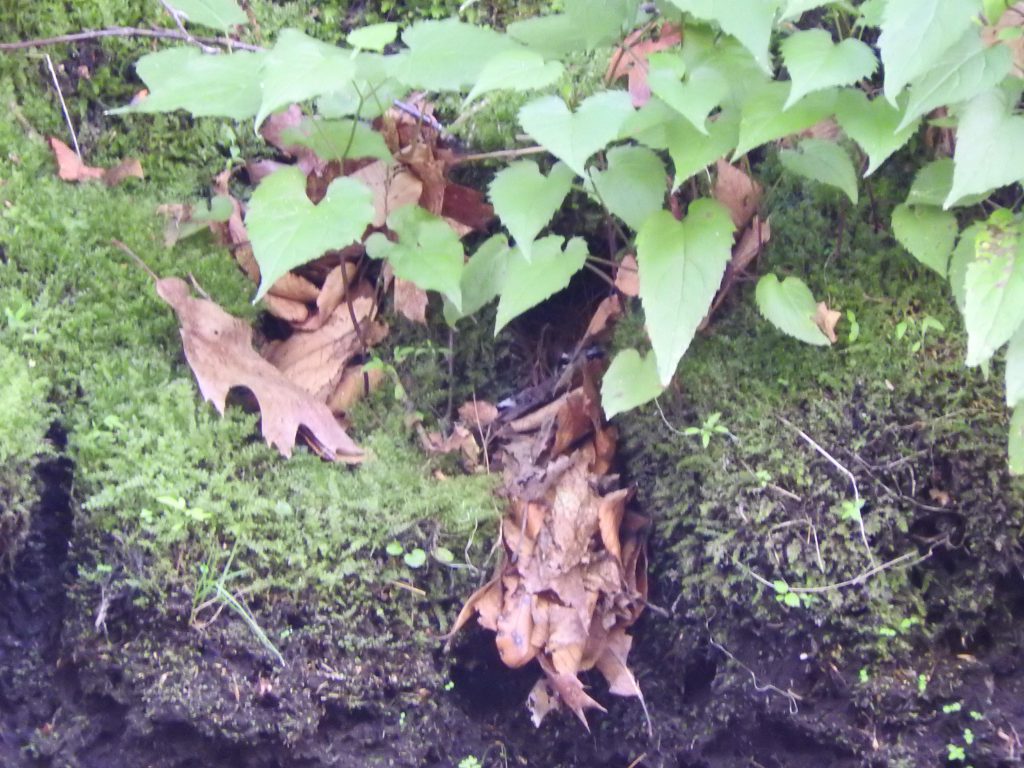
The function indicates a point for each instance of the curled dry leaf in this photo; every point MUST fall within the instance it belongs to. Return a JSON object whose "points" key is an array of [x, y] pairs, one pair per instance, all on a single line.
{"points": [[70, 167], [627, 276], [355, 384], [218, 347], [738, 192], [826, 319], [477, 414]]}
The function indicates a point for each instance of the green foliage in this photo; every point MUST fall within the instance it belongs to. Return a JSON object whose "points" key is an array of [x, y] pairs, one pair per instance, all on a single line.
{"points": [[822, 161], [218, 14], [928, 232], [526, 200], [337, 139], [790, 306], [25, 414], [631, 380], [994, 296], [633, 185], [815, 62], [529, 282]]}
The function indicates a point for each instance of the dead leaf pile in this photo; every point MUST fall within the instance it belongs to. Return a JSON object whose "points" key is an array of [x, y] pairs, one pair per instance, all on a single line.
{"points": [[573, 575]]}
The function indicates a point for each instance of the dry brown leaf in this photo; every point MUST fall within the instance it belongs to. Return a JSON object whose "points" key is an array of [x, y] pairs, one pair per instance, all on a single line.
{"points": [[70, 167], [631, 60], [289, 310], [410, 301], [826, 320], [392, 185], [354, 385], [219, 350], [331, 294], [477, 413], [738, 192], [627, 276]]}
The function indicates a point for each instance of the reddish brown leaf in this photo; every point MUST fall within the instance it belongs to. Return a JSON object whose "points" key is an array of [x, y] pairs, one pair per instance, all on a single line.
{"points": [[631, 60], [70, 167]]}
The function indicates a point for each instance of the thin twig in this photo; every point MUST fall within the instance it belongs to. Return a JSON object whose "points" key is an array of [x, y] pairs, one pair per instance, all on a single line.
{"points": [[64, 107], [846, 472], [140, 262], [179, 21], [499, 154], [758, 685], [94, 34]]}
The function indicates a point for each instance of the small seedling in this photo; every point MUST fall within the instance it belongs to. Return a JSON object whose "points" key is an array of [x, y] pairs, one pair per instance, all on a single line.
{"points": [[708, 429], [417, 557], [922, 683], [854, 332], [850, 510], [864, 675], [788, 597], [949, 709], [968, 736], [918, 330], [956, 752], [470, 762], [976, 715]]}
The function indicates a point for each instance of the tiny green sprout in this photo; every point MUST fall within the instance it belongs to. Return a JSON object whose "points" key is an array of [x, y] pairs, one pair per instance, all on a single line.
{"points": [[415, 558], [886, 632], [976, 715], [907, 623], [956, 752], [450, 685], [922, 683], [854, 333], [788, 597], [949, 709], [708, 429], [444, 555], [864, 675], [850, 510], [394, 549], [968, 736], [470, 762], [763, 477]]}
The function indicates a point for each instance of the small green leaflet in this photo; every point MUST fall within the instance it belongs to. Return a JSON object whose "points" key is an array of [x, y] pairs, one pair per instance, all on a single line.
{"points": [[584, 25], [994, 300], [528, 283], [872, 123], [287, 230], [220, 209], [961, 73], [450, 54], [525, 199], [226, 85], [915, 34], [482, 278], [994, 9], [989, 148], [963, 255], [217, 14], [749, 22], [822, 161], [762, 118], [928, 232], [337, 139], [517, 69], [932, 184], [659, 127], [573, 138], [1016, 447], [373, 37], [428, 252], [704, 89], [633, 187], [790, 307], [1015, 369], [630, 381], [815, 62], [681, 266], [298, 68]]}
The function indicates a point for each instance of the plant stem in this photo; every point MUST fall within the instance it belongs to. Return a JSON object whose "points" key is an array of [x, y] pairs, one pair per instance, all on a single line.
{"points": [[160, 34]]}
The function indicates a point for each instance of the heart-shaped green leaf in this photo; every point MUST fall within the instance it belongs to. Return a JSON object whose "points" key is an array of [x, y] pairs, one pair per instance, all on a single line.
{"points": [[516, 69], [681, 266], [704, 89], [373, 37], [574, 137], [928, 232], [630, 381], [528, 283], [822, 161], [299, 68], [217, 14], [525, 199], [994, 299], [428, 252], [762, 118], [989, 147], [872, 123], [790, 307], [287, 230], [449, 54], [815, 62], [1015, 369], [633, 186], [337, 139], [750, 22], [482, 278]]}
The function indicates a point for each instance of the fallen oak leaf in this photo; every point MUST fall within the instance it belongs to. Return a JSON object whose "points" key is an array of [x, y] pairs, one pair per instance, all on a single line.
{"points": [[218, 348]]}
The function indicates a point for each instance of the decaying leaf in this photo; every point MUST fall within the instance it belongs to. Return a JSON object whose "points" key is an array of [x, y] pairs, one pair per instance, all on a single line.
{"points": [[627, 276], [410, 301], [826, 319], [738, 192], [218, 347], [630, 60], [70, 167]]}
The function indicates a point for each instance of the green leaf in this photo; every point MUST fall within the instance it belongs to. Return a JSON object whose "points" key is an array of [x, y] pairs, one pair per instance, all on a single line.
{"points": [[1016, 442], [373, 37], [630, 381], [217, 14], [790, 307], [780, 587], [874, 124], [659, 127], [515, 70], [428, 252], [928, 232], [337, 139], [226, 85], [1015, 369], [482, 278], [450, 54], [574, 137], [394, 549], [749, 22], [961, 73], [994, 300], [822, 161], [762, 117], [417, 558], [989, 147], [815, 62], [525, 199], [444, 555], [299, 68], [584, 26], [915, 34], [704, 89], [287, 230], [528, 283], [796, 8], [633, 187], [963, 255], [681, 266]]}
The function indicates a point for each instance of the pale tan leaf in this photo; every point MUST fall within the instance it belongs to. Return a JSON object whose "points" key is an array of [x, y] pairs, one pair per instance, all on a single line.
{"points": [[738, 192], [294, 312], [826, 319], [410, 301], [627, 276], [477, 413], [355, 384], [392, 185]]}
